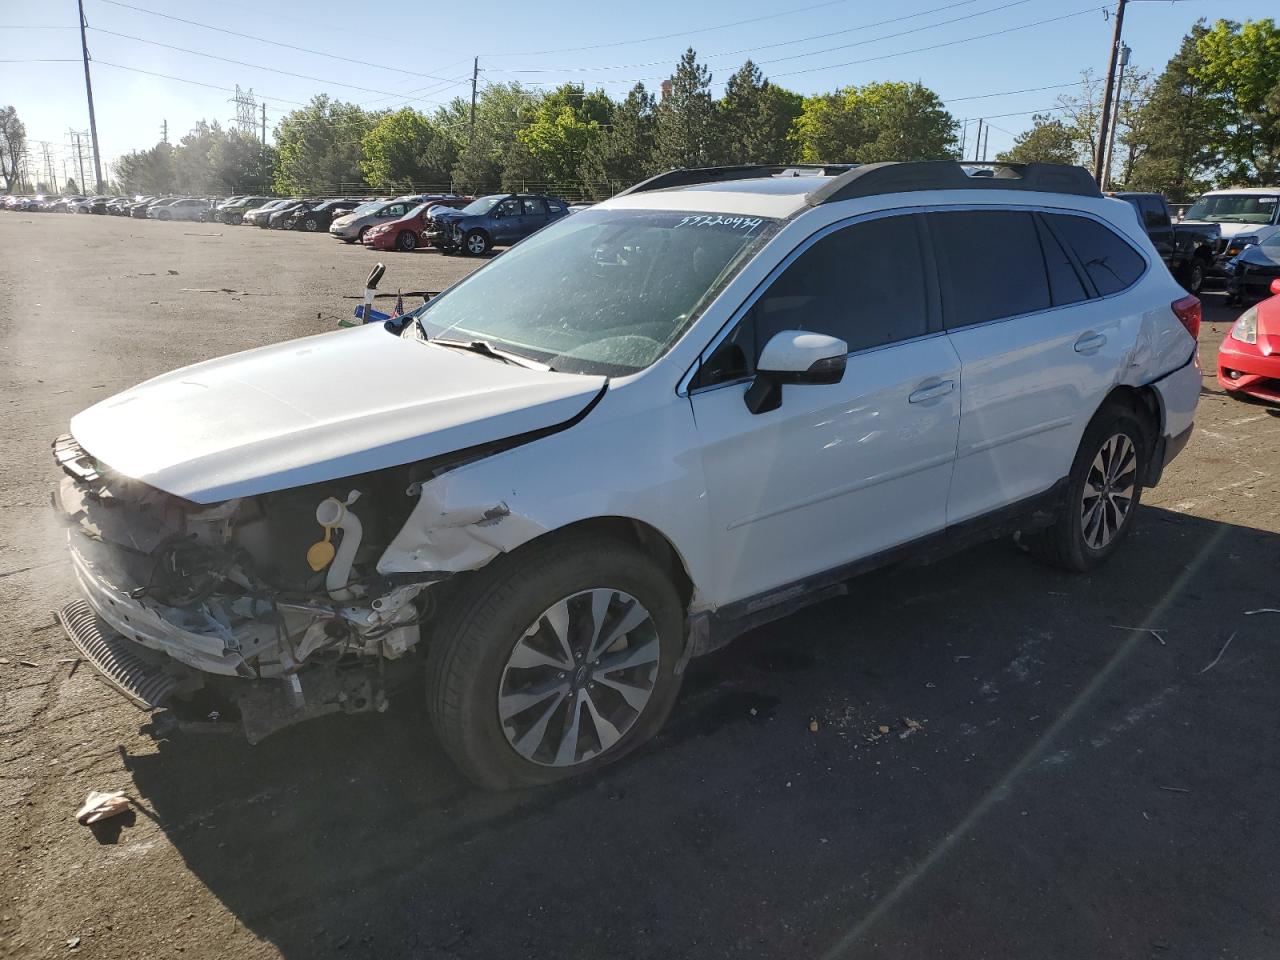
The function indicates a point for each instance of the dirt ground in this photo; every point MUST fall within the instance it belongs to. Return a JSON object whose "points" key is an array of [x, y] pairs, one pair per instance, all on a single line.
{"points": [[1051, 785]]}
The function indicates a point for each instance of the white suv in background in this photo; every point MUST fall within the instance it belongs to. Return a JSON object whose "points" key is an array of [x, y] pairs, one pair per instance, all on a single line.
{"points": [[647, 428]]}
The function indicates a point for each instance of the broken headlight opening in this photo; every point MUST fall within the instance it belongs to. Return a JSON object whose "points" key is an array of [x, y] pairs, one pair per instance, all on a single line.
{"points": [[280, 588]]}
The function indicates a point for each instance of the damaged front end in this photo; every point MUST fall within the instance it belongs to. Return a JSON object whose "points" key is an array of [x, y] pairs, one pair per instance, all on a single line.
{"points": [[273, 603]]}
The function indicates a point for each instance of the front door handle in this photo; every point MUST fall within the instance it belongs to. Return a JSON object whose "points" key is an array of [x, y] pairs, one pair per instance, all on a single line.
{"points": [[932, 392], [1090, 342]]}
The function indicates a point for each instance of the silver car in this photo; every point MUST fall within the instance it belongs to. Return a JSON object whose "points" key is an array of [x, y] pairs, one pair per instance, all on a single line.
{"points": [[359, 221]]}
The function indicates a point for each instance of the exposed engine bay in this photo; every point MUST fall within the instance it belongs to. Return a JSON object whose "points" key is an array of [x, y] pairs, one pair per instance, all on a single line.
{"points": [[257, 587]]}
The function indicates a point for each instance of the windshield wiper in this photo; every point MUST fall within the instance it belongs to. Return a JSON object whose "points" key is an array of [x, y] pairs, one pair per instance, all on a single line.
{"points": [[486, 349]]}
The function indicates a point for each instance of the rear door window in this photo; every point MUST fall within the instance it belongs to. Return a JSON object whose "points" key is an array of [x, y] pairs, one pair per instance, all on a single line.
{"points": [[1111, 263], [990, 263], [1153, 211]]}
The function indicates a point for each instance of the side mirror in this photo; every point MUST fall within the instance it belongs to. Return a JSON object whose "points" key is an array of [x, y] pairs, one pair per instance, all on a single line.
{"points": [[795, 357], [1275, 286]]}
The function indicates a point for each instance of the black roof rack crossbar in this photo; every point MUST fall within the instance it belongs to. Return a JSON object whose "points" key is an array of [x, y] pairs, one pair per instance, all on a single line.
{"points": [[691, 176], [871, 179]]}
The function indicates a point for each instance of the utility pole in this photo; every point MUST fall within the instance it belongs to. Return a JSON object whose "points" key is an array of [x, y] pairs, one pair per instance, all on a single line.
{"points": [[88, 91], [164, 131], [977, 144], [475, 76], [264, 123], [80, 157], [1104, 129], [1111, 138], [964, 129], [63, 187], [986, 140]]}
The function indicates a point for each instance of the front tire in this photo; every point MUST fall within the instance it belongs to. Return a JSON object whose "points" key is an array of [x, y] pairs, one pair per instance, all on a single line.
{"points": [[1194, 276], [555, 660], [1104, 490], [477, 243], [407, 241], [363, 231]]}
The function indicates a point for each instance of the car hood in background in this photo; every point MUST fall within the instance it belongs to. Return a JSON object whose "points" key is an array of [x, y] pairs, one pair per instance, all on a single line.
{"points": [[316, 409], [1229, 230]]}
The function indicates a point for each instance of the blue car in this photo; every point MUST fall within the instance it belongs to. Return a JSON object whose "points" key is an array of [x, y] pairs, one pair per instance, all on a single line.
{"points": [[498, 220]]}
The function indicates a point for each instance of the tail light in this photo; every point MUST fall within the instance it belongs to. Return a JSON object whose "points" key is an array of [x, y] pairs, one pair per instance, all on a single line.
{"points": [[1187, 310]]}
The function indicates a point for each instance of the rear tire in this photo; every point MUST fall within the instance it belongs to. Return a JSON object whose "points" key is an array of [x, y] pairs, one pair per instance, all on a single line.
{"points": [[310, 224], [489, 680], [1104, 490]]}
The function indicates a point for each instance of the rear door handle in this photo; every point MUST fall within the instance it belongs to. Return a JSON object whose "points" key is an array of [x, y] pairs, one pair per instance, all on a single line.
{"points": [[1090, 342], [932, 392]]}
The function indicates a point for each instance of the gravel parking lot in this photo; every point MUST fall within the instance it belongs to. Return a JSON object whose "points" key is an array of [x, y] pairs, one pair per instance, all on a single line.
{"points": [[1051, 783]]}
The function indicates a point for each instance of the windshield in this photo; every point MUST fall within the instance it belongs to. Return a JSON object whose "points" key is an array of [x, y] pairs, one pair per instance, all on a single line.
{"points": [[371, 207], [477, 207], [1234, 208], [606, 291]]}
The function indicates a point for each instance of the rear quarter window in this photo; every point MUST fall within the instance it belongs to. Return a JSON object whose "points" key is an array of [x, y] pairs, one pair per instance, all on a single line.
{"points": [[1110, 261]]}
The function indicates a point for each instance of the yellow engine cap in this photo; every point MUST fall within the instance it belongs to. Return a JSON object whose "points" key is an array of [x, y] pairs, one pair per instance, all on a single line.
{"points": [[320, 554]]}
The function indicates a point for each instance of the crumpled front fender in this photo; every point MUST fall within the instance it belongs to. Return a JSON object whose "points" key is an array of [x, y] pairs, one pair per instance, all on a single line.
{"points": [[449, 534]]}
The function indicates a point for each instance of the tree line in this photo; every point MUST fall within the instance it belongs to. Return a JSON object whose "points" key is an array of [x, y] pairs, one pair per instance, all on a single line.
{"points": [[1212, 116]]}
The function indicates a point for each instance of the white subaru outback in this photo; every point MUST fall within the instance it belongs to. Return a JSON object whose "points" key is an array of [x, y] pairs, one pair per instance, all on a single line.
{"points": [[647, 428]]}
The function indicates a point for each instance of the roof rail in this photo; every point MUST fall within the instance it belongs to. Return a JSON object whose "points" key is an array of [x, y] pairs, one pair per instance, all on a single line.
{"points": [[870, 179], [690, 176]]}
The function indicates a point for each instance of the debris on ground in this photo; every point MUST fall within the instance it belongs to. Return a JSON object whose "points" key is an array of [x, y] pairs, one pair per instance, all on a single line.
{"points": [[883, 728], [910, 728], [1214, 662], [73, 943], [28, 663], [100, 805], [813, 724], [1250, 613], [173, 273]]}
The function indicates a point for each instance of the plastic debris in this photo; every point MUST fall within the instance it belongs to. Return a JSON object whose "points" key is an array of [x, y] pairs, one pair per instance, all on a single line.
{"points": [[883, 728], [100, 805]]}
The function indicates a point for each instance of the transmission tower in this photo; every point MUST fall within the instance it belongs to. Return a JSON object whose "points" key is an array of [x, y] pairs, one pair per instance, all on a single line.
{"points": [[246, 120]]}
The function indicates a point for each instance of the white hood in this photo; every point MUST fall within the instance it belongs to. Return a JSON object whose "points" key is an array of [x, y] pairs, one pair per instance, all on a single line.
{"points": [[317, 409], [1232, 230]]}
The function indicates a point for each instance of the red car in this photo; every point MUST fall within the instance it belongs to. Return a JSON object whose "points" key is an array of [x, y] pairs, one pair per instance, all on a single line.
{"points": [[403, 234], [1249, 358]]}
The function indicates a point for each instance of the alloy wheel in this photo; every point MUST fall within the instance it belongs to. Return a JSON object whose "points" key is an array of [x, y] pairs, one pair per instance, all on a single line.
{"points": [[476, 244], [579, 677], [1109, 488]]}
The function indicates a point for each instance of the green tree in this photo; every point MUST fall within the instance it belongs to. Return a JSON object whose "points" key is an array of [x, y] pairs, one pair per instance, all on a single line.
{"points": [[755, 119], [501, 110], [13, 143], [319, 147], [624, 154], [147, 171], [1048, 141], [239, 163], [564, 126], [876, 122], [71, 188], [686, 118], [1240, 65], [405, 149]]}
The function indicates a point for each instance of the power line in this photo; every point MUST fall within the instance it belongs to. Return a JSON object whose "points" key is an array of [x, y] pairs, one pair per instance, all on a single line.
{"points": [[257, 66], [1009, 93], [670, 36], [274, 43], [45, 60], [948, 43], [783, 43]]}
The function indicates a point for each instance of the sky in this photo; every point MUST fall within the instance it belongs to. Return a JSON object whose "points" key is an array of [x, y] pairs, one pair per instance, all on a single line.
{"points": [[1000, 59]]}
